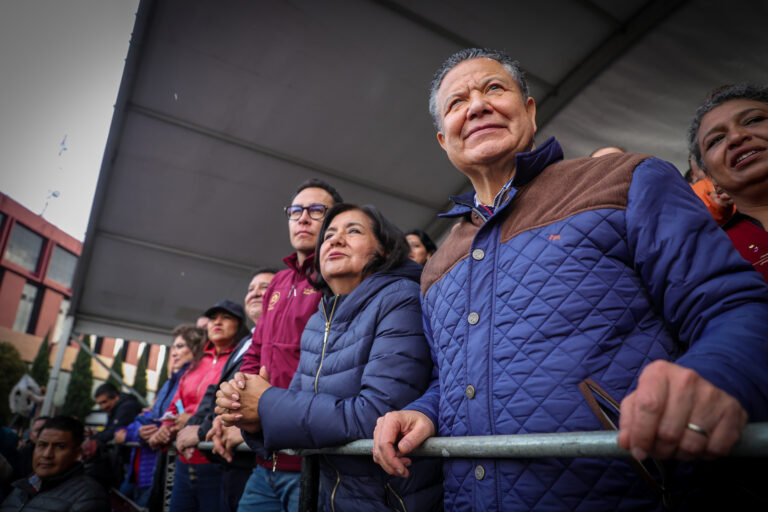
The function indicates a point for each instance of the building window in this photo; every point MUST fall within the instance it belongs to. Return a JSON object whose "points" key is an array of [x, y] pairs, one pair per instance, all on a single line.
{"points": [[63, 310], [26, 312], [98, 344], [62, 267], [24, 247], [2, 220]]}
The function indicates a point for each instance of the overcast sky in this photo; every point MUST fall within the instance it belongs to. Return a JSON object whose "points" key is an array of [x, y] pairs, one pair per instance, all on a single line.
{"points": [[61, 62]]}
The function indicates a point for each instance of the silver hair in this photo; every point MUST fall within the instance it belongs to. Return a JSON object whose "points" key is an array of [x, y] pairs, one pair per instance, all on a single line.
{"points": [[512, 66], [715, 98]]}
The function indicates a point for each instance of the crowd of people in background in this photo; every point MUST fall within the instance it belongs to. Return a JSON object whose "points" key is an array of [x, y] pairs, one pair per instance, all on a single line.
{"points": [[569, 295]]}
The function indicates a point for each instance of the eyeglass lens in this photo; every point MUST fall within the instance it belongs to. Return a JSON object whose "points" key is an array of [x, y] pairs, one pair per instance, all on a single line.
{"points": [[315, 211]]}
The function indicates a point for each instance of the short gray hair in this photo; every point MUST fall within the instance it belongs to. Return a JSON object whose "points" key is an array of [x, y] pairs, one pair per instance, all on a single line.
{"points": [[512, 66], [715, 98]]}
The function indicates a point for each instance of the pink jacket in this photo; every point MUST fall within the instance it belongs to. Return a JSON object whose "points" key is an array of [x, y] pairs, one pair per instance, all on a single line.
{"points": [[288, 303], [192, 386]]}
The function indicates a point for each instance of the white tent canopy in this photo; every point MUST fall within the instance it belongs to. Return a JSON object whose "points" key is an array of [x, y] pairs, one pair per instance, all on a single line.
{"points": [[225, 107]]}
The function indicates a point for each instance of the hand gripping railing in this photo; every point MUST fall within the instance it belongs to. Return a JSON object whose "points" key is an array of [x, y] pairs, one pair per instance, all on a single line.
{"points": [[601, 444]]}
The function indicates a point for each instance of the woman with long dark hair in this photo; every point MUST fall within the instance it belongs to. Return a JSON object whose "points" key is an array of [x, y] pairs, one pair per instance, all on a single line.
{"points": [[422, 246]]}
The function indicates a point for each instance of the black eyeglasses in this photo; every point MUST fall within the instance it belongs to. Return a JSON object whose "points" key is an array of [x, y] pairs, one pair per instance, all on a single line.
{"points": [[316, 211]]}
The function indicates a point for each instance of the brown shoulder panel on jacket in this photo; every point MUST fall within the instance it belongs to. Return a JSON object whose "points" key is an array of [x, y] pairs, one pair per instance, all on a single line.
{"points": [[569, 187], [453, 250], [561, 190]]}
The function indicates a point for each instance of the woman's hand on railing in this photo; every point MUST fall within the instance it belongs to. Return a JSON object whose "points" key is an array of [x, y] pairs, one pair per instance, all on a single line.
{"points": [[187, 439], [413, 426], [146, 431], [162, 437]]}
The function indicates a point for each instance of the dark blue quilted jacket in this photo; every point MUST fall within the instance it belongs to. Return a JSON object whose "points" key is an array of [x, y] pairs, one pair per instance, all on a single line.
{"points": [[588, 269], [362, 355]]}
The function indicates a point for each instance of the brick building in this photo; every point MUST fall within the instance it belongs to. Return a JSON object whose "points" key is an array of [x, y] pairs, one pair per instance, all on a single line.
{"points": [[37, 269]]}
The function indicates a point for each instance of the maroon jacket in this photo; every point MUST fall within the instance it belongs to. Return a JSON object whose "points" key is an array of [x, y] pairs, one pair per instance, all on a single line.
{"points": [[288, 303], [751, 240]]}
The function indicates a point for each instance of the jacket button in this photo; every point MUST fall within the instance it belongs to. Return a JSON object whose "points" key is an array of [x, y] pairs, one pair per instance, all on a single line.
{"points": [[473, 318], [479, 472], [478, 254], [470, 392]]}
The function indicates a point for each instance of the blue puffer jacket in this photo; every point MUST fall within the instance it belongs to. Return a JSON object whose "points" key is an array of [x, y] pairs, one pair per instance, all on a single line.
{"points": [[588, 269], [362, 355], [148, 456]]}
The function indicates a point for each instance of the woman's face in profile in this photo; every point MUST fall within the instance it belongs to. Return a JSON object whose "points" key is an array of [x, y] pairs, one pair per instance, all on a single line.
{"points": [[418, 252], [180, 353], [348, 245]]}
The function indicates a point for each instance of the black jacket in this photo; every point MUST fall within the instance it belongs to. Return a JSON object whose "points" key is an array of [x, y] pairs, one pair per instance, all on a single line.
{"points": [[121, 415], [71, 491], [204, 414]]}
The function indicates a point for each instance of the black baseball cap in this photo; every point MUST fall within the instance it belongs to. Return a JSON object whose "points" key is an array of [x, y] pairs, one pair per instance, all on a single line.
{"points": [[231, 307]]}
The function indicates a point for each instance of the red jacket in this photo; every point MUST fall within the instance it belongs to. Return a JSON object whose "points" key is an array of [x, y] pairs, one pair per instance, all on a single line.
{"points": [[288, 303], [192, 386], [751, 240]]}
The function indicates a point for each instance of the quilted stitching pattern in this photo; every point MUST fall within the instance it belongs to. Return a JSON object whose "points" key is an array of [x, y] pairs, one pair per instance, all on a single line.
{"points": [[557, 305]]}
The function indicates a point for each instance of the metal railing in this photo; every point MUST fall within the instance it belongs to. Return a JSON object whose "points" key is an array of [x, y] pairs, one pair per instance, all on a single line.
{"points": [[600, 444]]}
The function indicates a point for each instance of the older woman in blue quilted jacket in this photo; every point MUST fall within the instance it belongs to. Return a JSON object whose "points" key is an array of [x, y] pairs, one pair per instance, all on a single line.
{"points": [[362, 354]]}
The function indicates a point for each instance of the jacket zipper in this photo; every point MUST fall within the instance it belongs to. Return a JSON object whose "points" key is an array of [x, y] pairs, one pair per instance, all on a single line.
{"points": [[317, 377], [480, 214], [325, 336], [291, 293], [336, 486], [207, 372], [399, 499]]}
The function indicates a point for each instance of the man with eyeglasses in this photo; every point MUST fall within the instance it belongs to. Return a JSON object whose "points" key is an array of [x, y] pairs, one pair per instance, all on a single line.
{"points": [[288, 303]]}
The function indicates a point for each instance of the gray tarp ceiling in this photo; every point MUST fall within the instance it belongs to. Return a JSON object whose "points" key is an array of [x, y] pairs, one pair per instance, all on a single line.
{"points": [[226, 106]]}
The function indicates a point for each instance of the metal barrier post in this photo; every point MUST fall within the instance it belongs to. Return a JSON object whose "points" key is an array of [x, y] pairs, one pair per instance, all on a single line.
{"points": [[170, 471], [310, 481]]}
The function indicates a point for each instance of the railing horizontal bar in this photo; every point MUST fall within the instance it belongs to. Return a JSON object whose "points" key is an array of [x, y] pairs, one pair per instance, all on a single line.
{"points": [[600, 444]]}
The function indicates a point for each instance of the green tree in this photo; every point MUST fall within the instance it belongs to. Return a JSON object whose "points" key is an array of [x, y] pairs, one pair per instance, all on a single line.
{"points": [[40, 366], [117, 366], [162, 370], [79, 401], [12, 368], [140, 382]]}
